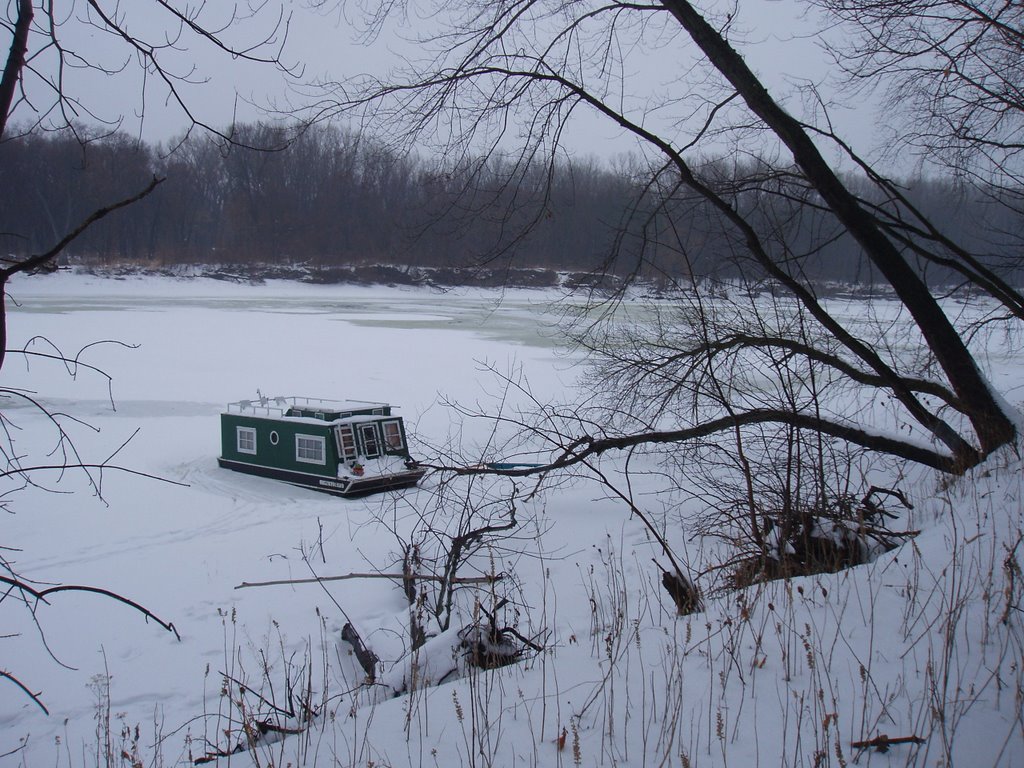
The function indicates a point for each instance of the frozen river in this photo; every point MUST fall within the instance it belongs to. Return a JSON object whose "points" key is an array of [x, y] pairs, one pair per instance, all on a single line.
{"points": [[177, 534]]}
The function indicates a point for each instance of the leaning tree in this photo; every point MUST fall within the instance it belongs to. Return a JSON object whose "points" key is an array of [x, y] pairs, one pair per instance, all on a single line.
{"points": [[506, 79], [758, 371]]}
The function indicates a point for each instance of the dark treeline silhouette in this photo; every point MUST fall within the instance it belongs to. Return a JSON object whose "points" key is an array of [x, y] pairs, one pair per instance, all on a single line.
{"points": [[332, 197]]}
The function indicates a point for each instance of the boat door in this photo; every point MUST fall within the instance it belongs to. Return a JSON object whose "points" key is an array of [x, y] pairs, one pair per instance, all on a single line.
{"points": [[371, 440], [346, 441]]}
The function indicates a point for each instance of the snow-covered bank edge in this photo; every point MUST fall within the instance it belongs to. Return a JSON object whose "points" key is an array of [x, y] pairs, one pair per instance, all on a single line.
{"points": [[914, 659], [440, 278]]}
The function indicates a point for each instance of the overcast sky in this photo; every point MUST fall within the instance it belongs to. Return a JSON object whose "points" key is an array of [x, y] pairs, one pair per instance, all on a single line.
{"points": [[775, 39]]}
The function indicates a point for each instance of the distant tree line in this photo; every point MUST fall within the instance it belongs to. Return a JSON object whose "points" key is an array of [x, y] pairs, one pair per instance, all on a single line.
{"points": [[333, 197]]}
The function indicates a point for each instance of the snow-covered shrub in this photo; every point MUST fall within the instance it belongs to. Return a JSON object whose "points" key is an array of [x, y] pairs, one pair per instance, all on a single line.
{"points": [[822, 539]]}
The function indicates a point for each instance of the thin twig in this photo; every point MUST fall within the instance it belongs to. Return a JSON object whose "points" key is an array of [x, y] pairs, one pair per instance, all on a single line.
{"points": [[27, 692]]}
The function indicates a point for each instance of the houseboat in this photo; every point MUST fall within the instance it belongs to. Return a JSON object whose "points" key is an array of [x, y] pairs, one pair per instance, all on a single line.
{"points": [[347, 448]]}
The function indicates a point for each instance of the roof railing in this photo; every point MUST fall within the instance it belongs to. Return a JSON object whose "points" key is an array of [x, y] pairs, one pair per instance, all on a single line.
{"points": [[279, 406]]}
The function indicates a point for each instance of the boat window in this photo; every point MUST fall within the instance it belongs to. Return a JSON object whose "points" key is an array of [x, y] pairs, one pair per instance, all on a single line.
{"points": [[371, 443], [346, 442], [246, 437], [309, 449], [393, 435]]}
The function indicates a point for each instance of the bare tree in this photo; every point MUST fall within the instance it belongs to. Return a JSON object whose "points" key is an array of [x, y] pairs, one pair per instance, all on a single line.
{"points": [[951, 72], [53, 75], [760, 373], [35, 86], [534, 64]]}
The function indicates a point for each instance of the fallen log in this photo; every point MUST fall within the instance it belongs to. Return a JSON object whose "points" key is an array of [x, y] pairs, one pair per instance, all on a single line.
{"points": [[394, 576], [367, 659], [882, 742]]}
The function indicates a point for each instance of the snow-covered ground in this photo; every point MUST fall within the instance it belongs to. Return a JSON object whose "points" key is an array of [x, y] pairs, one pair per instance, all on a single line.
{"points": [[926, 641]]}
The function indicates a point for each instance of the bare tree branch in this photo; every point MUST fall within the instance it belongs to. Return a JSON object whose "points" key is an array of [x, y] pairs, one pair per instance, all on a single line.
{"points": [[25, 690], [42, 594], [585, 446]]}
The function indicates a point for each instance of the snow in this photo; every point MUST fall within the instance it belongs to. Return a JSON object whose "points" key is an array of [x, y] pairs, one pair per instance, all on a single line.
{"points": [[925, 641]]}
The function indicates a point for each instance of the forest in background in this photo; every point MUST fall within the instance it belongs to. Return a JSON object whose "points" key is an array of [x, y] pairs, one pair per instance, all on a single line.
{"points": [[332, 198]]}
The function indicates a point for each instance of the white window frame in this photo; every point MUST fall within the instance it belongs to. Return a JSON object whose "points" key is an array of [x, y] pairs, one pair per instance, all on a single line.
{"points": [[315, 444], [370, 427], [399, 443], [245, 434]]}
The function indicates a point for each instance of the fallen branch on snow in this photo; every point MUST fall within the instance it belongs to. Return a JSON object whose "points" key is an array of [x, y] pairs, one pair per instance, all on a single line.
{"points": [[881, 742], [367, 659], [395, 576]]}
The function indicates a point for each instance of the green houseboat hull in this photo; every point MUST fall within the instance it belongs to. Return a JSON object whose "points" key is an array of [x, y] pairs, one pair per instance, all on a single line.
{"points": [[347, 487]]}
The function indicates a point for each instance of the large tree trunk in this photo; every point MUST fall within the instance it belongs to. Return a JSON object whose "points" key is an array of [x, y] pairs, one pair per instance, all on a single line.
{"points": [[990, 423], [15, 62]]}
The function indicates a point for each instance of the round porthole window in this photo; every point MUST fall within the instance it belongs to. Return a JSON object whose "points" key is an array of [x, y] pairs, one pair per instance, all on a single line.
{"points": [[274, 438]]}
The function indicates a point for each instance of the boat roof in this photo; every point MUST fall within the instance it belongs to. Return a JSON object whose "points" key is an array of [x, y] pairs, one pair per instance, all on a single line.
{"points": [[278, 407]]}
